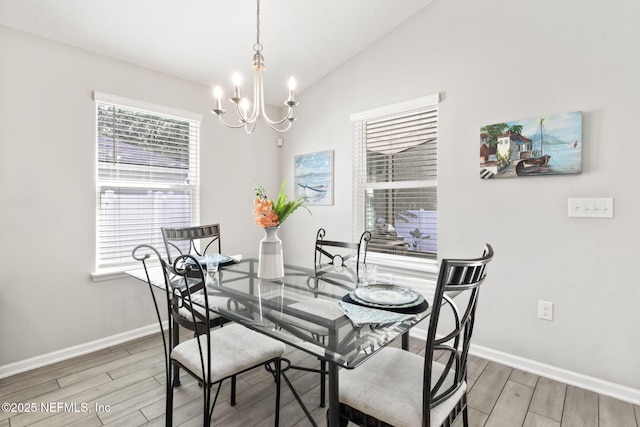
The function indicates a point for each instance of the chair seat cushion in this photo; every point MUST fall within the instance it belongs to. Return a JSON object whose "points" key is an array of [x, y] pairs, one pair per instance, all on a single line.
{"points": [[214, 301], [389, 387], [234, 349], [186, 313]]}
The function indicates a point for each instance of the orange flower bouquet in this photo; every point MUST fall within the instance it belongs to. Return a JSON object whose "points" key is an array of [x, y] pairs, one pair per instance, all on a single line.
{"points": [[270, 214]]}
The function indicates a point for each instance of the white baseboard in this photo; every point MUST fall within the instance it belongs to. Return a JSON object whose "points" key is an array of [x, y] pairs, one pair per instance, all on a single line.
{"points": [[77, 350], [597, 385], [607, 388]]}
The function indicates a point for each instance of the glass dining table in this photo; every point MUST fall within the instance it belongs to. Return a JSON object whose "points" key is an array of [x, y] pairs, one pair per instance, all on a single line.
{"points": [[323, 312]]}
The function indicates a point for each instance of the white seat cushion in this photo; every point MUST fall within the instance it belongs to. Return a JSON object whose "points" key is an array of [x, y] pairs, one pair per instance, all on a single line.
{"points": [[214, 301], [186, 313], [234, 349], [389, 387]]}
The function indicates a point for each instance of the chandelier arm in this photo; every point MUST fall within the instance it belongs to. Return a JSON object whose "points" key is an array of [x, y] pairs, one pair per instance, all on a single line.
{"points": [[272, 126], [249, 130], [243, 119], [230, 126], [259, 101], [257, 95], [277, 122]]}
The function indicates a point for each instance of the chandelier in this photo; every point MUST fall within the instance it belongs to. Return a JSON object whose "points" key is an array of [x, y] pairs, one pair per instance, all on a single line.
{"points": [[247, 120]]}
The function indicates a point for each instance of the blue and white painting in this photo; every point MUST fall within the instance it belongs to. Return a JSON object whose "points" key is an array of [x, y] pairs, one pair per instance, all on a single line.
{"points": [[546, 145], [313, 177]]}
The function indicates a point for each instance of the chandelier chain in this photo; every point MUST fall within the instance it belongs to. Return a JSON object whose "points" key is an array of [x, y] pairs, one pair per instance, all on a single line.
{"points": [[258, 46]]}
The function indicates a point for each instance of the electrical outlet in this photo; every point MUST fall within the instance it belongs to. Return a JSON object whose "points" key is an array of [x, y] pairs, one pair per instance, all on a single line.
{"points": [[545, 310]]}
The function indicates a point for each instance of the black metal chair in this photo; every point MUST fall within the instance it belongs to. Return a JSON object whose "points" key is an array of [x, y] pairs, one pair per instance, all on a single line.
{"points": [[213, 355], [384, 391], [333, 256], [190, 240], [339, 254]]}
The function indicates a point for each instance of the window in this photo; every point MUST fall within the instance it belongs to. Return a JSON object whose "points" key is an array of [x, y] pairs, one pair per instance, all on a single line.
{"points": [[396, 178], [147, 175]]}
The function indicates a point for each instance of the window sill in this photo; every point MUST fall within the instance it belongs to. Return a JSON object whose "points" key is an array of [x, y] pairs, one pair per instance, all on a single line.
{"points": [[413, 265], [104, 275], [113, 273], [421, 274]]}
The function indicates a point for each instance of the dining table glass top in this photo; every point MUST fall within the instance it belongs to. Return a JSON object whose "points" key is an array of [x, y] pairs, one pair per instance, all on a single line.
{"points": [[318, 312]]}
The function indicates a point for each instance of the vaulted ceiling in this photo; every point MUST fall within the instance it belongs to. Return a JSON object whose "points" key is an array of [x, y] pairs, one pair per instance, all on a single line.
{"points": [[205, 41]]}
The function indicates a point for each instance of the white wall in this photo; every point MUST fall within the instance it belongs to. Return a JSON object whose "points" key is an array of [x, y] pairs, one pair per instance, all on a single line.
{"points": [[493, 61], [48, 301]]}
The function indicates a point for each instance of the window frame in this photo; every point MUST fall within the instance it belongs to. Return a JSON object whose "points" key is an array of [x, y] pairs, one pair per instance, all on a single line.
{"points": [[393, 262], [106, 271]]}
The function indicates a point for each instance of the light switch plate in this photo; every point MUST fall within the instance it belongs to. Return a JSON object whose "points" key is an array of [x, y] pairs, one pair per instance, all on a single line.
{"points": [[601, 207]]}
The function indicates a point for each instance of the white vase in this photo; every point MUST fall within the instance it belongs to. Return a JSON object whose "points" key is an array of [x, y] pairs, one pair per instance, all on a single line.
{"points": [[270, 261]]}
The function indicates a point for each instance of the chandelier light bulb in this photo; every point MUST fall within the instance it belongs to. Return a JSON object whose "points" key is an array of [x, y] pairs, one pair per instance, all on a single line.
{"points": [[236, 87], [237, 79], [217, 94]]}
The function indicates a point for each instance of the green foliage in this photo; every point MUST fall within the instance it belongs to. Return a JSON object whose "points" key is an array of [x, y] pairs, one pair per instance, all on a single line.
{"points": [[494, 131], [516, 129], [283, 206], [503, 161]]}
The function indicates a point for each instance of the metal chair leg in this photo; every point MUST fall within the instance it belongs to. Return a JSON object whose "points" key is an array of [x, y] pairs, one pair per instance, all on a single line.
{"points": [[465, 418], [278, 364], [168, 412], [233, 390], [176, 339], [323, 377]]}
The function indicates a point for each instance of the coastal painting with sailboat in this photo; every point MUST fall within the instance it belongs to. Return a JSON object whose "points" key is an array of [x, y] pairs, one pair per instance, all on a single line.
{"points": [[313, 176], [546, 145]]}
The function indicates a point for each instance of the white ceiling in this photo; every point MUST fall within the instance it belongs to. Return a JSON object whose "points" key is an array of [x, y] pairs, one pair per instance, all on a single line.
{"points": [[205, 41]]}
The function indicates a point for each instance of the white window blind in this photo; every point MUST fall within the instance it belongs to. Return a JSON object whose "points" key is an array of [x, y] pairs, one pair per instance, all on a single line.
{"points": [[147, 175], [396, 178]]}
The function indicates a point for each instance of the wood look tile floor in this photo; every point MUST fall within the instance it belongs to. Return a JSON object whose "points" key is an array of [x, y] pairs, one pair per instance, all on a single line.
{"points": [[124, 386]]}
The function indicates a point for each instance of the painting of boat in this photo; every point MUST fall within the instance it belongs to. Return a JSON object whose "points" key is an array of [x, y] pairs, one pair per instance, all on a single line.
{"points": [[535, 160], [313, 192], [547, 145], [532, 166], [313, 177]]}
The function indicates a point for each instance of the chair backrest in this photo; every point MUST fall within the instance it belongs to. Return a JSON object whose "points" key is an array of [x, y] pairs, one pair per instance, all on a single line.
{"points": [[337, 253], [188, 285], [184, 280], [150, 257], [460, 278], [190, 240]]}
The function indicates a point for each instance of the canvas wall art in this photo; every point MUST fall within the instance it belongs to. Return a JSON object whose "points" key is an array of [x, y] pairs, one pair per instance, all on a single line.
{"points": [[548, 145], [313, 176]]}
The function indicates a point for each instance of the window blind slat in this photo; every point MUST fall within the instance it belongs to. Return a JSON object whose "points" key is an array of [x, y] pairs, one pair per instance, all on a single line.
{"points": [[147, 178], [395, 181]]}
